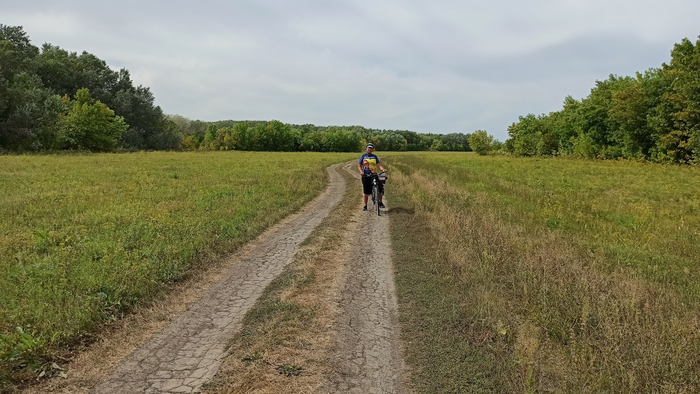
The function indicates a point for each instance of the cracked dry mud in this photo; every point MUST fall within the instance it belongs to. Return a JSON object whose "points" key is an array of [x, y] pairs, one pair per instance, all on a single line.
{"points": [[367, 355], [187, 353]]}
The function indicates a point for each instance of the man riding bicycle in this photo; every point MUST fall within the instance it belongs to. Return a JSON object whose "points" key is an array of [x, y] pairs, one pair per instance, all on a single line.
{"points": [[368, 169]]}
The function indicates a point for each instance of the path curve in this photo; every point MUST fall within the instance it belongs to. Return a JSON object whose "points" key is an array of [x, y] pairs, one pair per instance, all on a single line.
{"points": [[188, 353], [367, 356]]}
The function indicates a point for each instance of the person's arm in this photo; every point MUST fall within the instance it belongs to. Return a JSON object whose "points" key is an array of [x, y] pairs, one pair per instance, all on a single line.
{"points": [[359, 167]]}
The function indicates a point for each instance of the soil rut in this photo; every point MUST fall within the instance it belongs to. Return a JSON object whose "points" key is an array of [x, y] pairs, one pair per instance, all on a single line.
{"points": [[367, 355], [187, 354]]}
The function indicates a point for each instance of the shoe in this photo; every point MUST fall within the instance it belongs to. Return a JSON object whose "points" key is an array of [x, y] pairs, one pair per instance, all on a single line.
{"points": [[365, 208], [381, 205]]}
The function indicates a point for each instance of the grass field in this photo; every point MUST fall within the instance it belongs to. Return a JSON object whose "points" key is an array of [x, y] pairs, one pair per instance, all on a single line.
{"points": [[514, 275], [85, 238], [527, 275]]}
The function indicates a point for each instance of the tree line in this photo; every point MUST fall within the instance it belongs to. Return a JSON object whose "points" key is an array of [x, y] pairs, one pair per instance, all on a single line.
{"points": [[652, 116], [53, 99], [277, 136]]}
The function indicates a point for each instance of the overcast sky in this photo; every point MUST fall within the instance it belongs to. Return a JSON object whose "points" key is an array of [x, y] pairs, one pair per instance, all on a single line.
{"points": [[427, 66]]}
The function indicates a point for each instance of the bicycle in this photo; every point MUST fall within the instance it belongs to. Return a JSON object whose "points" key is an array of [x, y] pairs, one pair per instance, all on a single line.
{"points": [[376, 178]]}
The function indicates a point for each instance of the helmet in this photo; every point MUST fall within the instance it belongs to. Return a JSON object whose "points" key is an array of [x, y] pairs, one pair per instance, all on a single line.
{"points": [[370, 145]]}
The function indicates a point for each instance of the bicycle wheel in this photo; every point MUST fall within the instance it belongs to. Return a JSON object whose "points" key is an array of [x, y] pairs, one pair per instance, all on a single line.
{"points": [[375, 196]]}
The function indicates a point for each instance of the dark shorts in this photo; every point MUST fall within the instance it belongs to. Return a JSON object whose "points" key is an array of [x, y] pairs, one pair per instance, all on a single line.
{"points": [[367, 185]]}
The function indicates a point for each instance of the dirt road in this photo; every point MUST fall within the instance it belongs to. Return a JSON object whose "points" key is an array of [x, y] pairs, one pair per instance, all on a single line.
{"points": [[363, 352], [367, 356]]}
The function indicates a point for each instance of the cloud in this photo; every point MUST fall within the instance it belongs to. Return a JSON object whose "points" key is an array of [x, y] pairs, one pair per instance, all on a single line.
{"points": [[439, 66]]}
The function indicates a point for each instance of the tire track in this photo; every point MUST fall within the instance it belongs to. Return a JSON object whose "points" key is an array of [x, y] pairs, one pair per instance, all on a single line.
{"points": [[367, 356], [188, 353]]}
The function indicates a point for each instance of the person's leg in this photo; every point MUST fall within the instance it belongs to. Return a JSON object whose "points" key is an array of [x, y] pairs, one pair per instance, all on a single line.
{"points": [[366, 189]]}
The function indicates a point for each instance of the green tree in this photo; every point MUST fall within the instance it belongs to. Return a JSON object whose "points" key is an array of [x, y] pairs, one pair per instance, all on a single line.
{"points": [[456, 142], [480, 142], [595, 110], [32, 122], [632, 106], [497, 146], [313, 142], [90, 125], [189, 142], [525, 135], [167, 137], [146, 120], [566, 125], [394, 142], [437, 145], [210, 137], [23, 98], [17, 54], [677, 121]]}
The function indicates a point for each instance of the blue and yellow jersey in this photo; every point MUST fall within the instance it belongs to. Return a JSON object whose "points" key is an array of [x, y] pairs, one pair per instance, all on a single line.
{"points": [[369, 163]]}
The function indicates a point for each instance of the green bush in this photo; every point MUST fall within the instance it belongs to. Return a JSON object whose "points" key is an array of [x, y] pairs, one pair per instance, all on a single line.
{"points": [[90, 125], [480, 141]]}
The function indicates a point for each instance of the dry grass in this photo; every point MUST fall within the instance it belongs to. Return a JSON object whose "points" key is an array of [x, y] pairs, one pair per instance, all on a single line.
{"points": [[546, 314], [284, 343]]}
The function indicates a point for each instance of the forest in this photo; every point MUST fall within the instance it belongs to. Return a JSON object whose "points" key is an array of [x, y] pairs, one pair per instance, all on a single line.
{"points": [[52, 99], [653, 116]]}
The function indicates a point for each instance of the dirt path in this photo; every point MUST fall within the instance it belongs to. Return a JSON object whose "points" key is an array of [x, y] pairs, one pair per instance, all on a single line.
{"points": [[367, 354], [187, 354]]}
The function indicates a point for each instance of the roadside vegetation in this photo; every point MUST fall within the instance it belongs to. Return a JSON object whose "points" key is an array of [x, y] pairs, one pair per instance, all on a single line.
{"points": [[527, 275], [85, 238]]}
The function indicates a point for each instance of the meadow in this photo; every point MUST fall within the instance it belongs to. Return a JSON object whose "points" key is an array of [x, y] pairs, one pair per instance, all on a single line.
{"points": [[86, 238], [530, 275]]}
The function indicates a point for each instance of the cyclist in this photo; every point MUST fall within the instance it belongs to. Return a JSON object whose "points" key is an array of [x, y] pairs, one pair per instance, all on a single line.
{"points": [[368, 169]]}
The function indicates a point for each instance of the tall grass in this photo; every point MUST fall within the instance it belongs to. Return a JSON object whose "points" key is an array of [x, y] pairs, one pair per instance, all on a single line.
{"points": [[84, 238], [583, 275]]}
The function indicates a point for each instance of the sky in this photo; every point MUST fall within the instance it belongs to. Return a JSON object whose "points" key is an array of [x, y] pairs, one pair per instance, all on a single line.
{"points": [[427, 66]]}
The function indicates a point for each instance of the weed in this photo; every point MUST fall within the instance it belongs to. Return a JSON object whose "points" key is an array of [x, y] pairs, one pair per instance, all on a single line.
{"points": [[22, 350], [289, 370], [251, 358]]}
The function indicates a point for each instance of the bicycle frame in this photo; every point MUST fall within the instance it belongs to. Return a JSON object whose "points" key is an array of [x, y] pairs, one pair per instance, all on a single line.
{"points": [[375, 193]]}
